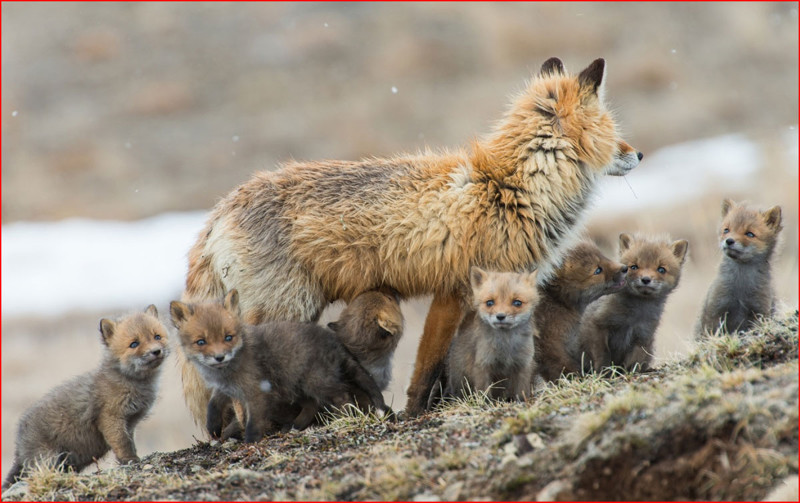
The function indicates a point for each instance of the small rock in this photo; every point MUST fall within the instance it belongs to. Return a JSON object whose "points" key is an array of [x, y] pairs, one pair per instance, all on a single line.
{"points": [[230, 443], [147, 467], [18, 491], [426, 496], [196, 468], [214, 443], [557, 490], [453, 492]]}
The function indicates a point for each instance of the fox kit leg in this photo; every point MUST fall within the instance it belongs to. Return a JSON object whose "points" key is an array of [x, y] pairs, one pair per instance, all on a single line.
{"points": [[307, 415], [116, 434], [364, 384], [214, 417], [440, 325], [640, 357]]}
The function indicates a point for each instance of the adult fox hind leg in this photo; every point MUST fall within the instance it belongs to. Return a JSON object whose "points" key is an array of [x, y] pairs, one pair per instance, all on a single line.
{"points": [[440, 325]]}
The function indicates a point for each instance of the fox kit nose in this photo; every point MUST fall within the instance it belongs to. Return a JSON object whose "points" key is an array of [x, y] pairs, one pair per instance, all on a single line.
{"points": [[219, 358], [500, 316], [730, 241], [646, 280], [639, 155], [156, 352]]}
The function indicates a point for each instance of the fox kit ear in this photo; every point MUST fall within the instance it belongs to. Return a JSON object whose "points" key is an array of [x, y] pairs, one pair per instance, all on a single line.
{"points": [[231, 302], [532, 277], [107, 328], [476, 276], [727, 204], [334, 325], [625, 241], [551, 67], [151, 310], [180, 312], [386, 326], [679, 249], [772, 217], [592, 76]]}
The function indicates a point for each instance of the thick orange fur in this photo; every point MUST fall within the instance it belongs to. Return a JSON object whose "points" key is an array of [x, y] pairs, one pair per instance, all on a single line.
{"points": [[293, 240]]}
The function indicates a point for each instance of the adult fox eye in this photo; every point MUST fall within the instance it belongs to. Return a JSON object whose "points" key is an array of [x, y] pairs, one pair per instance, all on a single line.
{"points": [[598, 270], [228, 338], [661, 270], [750, 234], [489, 303], [201, 342], [134, 344], [516, 303]]}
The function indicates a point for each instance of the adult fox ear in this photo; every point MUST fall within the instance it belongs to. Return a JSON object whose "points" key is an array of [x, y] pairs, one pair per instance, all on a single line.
{"points": [[679, 249], [625, 241], [592, 75], [476, 276], [231, 302], [107, 328], [772, 217], [180, 312], [727, 204], [151, 310], [551, 67]]}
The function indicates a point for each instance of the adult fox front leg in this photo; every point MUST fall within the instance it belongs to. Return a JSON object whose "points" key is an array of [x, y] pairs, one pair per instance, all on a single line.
{"points": [[310, 233]]}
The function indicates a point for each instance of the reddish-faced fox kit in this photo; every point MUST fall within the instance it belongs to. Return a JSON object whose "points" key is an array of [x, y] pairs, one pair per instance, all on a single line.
{"points": [[370, 328], [584, 276], [742, 289], [80, 420], [282, 372], [620, 328], [492, 349]]}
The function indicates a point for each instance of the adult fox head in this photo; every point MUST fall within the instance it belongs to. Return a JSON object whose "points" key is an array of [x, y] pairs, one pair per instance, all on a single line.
{"points": [[211, 333], [137, 342], [565, 115]]}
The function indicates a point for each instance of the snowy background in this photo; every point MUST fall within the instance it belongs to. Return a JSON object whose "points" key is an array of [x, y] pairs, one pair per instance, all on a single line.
{"points": [[123, 123]]}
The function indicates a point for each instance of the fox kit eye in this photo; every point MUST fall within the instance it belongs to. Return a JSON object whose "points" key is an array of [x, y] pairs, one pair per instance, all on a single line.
{"points": [[134, 344], [516, 303], [725, 230], [157, 337], [201, 342], [489, 303], [633, 267], [661, 270], [750, 234], [598, 270], [228, 338]]}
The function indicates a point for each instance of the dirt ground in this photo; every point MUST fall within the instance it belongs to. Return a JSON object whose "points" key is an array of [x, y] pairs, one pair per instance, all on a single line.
{"points": [[124, 111]]}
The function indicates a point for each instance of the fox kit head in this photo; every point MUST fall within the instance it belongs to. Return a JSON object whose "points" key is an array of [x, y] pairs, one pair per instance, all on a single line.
{"points": [[566, 113], [654, 266], [586, 275], [210, 333], [746, 233], [137, 342], [503, 300], [371, 322]]}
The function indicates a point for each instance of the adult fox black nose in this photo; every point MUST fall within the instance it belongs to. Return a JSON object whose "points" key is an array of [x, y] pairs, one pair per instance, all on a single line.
{"points": [[730, 241], [219, 358], [639, 155], [646, 280], [500, 316]]}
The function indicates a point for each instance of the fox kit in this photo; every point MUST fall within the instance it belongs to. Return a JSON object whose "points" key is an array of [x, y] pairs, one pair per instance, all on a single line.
{"points": [[492, 349], [742, 289], [294, 239], [585, 275], [80, 420], [370, 328], [620, 328], [282, 372]]}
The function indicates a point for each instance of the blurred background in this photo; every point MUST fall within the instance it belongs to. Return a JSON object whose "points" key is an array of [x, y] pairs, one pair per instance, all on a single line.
{"points": [[122, 124]]}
